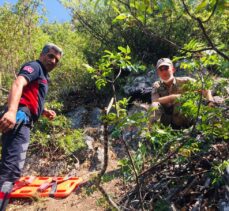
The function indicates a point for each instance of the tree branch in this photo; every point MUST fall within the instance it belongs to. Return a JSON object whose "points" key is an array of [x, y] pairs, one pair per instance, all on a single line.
{"points": [[105, 164], [212, 46], [213, 11], [91, 29], [200, 23], [199, 104], [135, 171], [210, 42], [146, 173]]}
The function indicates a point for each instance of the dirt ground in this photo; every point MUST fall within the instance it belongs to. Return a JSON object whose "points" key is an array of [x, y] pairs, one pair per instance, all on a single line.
{"points": [[80, 199]]}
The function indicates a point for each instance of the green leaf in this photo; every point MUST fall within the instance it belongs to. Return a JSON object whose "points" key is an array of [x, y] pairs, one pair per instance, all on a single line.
{"points": [[116, 9], [108, 52], [122, 49], [161, 131], [201, 6], [128, 49], [89, 68], [121, 17]]}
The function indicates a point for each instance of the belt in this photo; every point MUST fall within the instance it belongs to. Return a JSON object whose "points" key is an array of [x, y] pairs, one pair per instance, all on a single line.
{"points": [[26, 110]]}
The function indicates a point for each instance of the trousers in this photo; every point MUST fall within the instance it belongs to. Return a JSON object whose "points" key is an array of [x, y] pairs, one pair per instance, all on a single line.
{"points": [[14, 147], [169, 116]]}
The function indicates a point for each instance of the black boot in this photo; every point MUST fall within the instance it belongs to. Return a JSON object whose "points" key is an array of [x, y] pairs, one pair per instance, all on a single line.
{"points": [[5, 194]]}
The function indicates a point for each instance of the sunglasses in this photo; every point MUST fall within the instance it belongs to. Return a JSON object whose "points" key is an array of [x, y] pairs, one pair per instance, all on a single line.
{"points": [[162, 68]]}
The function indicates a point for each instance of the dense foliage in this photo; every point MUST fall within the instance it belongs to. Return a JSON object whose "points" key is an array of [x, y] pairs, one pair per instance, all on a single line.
{"points": [[24, 32], [160, 148], [111, 37]]}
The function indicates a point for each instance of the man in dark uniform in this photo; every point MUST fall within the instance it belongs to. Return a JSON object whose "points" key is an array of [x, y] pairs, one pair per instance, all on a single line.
{"points": [[25, 105], [166, 91]]}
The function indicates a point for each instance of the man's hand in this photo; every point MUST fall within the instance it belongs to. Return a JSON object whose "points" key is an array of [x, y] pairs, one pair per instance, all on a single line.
{"points": [[8, 121], [207, 94], [50, 114], [173, 97]]}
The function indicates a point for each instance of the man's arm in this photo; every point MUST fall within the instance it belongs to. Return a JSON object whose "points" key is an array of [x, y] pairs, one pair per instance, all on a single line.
{"points": [[208, 95], [8, 120], [171, 98], [167, 100]]}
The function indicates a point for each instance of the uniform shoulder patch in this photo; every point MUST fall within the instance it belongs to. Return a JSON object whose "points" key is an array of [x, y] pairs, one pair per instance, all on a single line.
{"points": [[28, 69]]}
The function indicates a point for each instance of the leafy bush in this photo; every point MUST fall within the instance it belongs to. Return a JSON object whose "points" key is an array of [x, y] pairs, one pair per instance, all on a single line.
{"points": [[218, 171], [56, 136]]}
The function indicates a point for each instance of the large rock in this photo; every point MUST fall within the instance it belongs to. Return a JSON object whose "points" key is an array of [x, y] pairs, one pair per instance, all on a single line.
{"points": [[97, 159], [78, 117], [81, 117], [94, 117], [140, 87]]}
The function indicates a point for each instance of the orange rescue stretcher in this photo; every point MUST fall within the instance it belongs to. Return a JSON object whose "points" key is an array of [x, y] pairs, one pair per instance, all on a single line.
{"points": [[57, 187]]}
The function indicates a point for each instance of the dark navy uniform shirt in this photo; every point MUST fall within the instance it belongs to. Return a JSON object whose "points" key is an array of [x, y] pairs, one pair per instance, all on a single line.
{"points": [[33, 95]]}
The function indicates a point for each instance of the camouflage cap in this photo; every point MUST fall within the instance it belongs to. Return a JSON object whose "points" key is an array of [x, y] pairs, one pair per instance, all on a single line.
{"points": [[164, 61]]}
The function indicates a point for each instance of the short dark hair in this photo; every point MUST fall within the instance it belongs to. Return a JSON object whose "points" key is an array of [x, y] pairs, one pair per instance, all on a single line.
{"points": [[50, 46]]}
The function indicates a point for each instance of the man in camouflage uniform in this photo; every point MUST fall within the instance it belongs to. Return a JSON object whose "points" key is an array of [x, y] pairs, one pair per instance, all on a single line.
{"points": [[165, 93]]}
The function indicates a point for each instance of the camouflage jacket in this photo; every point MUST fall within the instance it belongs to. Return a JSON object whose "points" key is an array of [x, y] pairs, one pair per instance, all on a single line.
{"points": [[160, 89]]}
